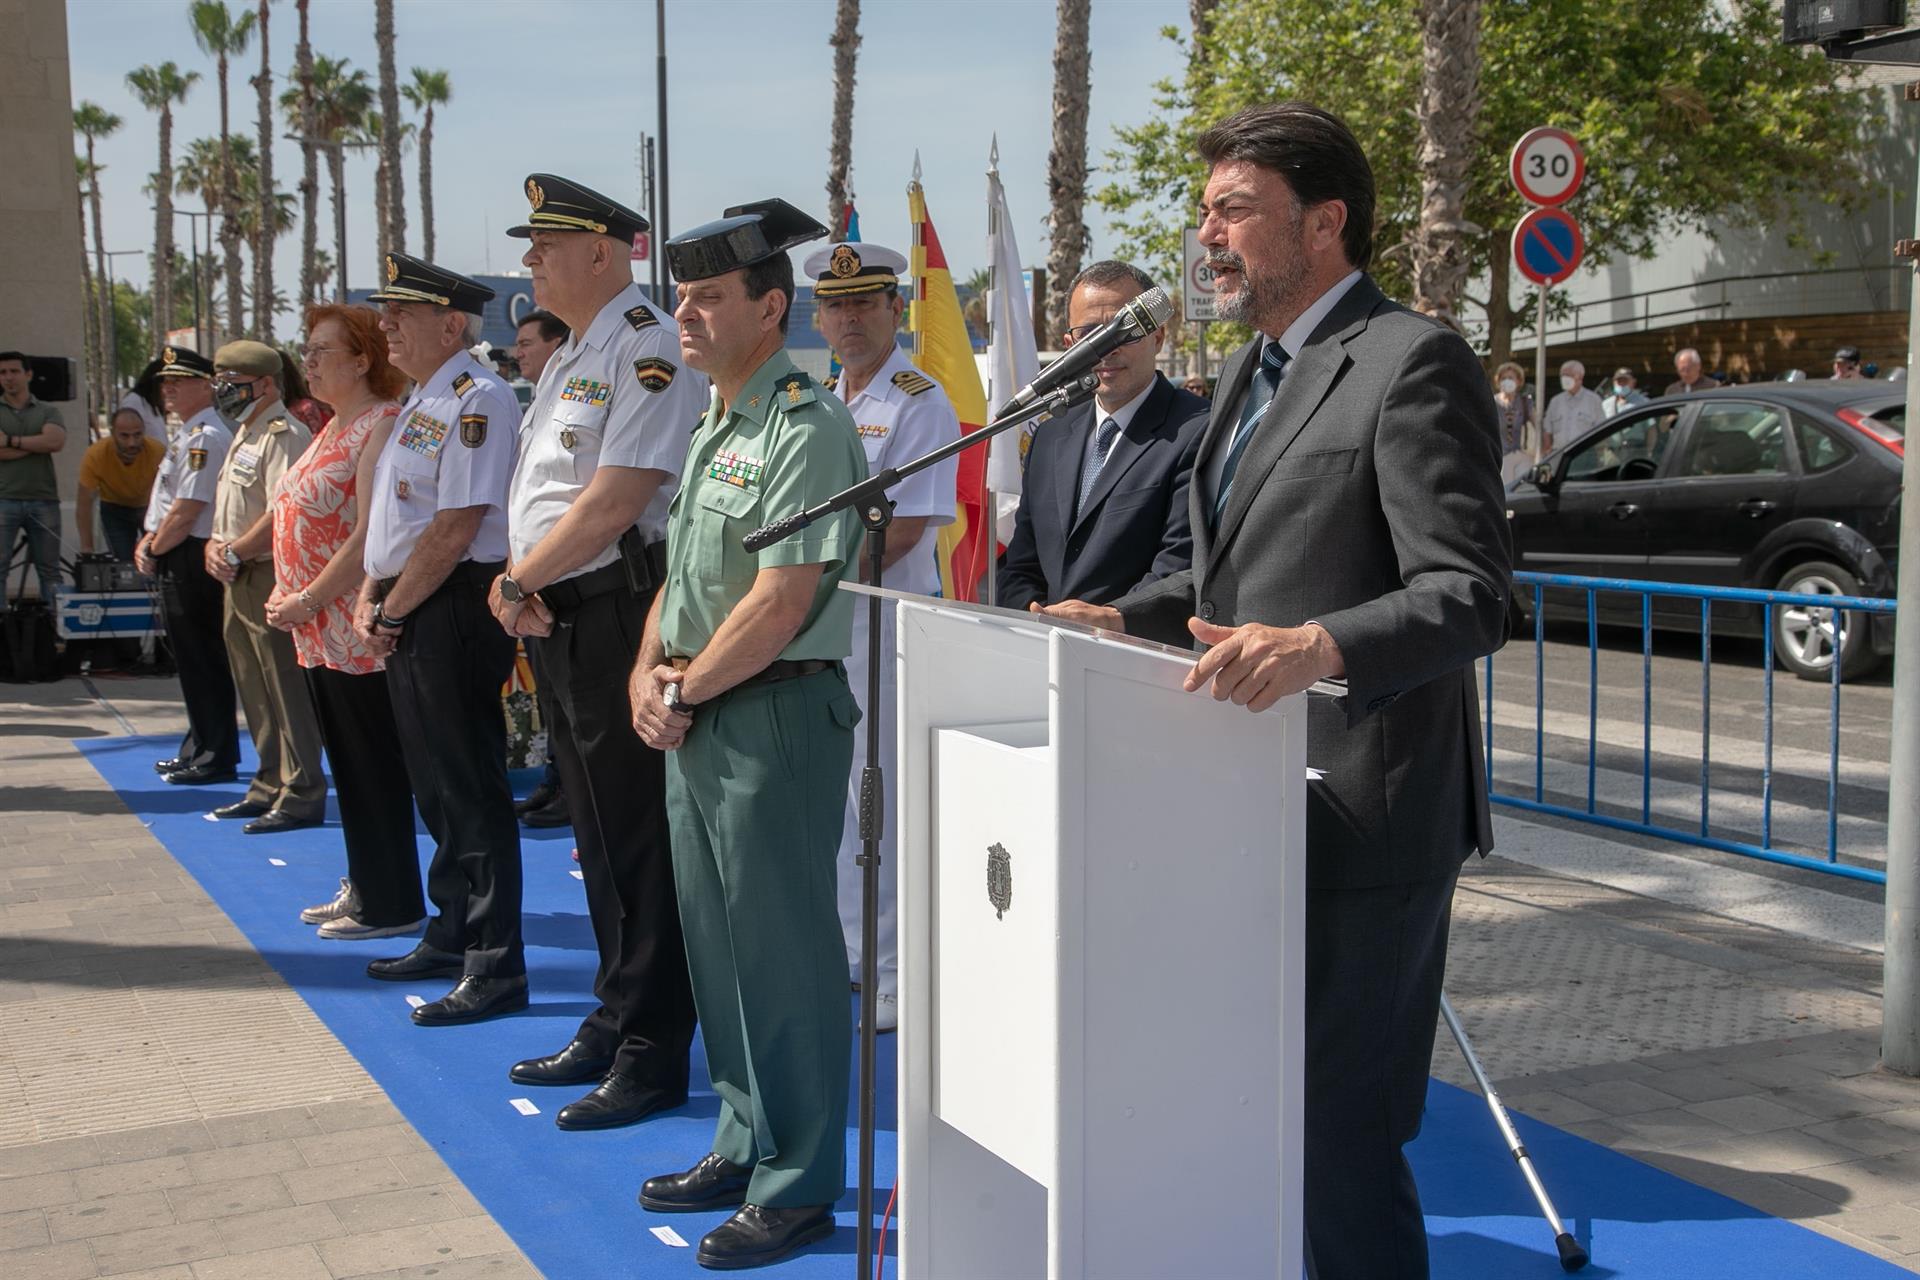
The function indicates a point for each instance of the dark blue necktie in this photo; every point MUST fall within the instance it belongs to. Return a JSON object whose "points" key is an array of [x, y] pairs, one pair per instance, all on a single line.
{"points": [[1260, 393], [1102, 446]]}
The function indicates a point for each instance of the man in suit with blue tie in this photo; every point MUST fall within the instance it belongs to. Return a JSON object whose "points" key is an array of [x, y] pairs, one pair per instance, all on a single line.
{"points": [[1348, 522], [1104, 505]]}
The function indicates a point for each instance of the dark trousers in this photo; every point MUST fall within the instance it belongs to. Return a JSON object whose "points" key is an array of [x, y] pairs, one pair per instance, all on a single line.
{"points": [[122, 527], [445, 677], [616, 790], [370, 785], [191, 602], [1375, 961]]}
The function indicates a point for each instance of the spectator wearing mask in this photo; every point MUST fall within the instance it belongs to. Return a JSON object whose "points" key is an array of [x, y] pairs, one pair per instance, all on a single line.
{"points": [[1622, 394], [1516, 420], [1572, 411]]}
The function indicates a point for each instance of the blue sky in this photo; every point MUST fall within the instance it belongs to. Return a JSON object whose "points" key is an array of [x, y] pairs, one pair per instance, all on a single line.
{"points": [[565, 86]]}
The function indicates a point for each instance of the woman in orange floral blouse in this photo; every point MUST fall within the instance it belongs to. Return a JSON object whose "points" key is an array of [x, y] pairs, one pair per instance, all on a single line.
{"points": [[317, 537]]}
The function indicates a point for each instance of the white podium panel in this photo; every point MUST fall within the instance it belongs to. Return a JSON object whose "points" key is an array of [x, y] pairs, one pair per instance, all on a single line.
{"points": [[1101, 907]]}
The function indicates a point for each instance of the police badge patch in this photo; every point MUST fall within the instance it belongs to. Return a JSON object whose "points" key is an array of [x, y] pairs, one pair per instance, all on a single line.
{"points": [[654, 373], [196, 459], [473, 429], [999, 880]]}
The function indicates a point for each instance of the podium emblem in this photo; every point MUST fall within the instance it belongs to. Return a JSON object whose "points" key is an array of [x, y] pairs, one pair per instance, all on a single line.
{"points": [[999, 880]]}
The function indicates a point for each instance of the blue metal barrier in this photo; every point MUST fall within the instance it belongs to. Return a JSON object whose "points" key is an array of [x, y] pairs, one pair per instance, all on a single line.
{"points": [[1828, 605]]}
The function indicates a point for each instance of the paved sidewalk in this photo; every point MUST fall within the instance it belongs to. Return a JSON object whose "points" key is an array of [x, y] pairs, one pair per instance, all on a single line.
{"points": [[170, 1110]]}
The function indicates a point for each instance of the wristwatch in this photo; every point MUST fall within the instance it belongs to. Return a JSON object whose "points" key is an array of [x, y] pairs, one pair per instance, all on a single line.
{"points": [[231, 556], [510, 590], [381, 620]]}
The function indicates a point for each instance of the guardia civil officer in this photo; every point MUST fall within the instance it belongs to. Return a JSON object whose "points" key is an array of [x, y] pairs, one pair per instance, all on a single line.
{"points": [[900, 414], [436, 537], [288, 790], [759, 742], [172, 547], [600, 452]]}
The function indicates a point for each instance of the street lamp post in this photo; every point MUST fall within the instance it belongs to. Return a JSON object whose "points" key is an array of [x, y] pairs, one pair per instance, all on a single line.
{"points": [[202, 337]]}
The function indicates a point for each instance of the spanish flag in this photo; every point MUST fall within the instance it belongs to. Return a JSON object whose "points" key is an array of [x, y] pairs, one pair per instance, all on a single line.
{"points": [[944, 353]]}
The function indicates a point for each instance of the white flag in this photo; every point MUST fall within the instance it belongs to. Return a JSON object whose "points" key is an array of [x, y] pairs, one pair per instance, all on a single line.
{"points": [[1013, 360]]}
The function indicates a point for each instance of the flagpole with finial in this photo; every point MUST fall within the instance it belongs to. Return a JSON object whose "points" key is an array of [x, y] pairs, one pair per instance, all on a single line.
{"points": [[992, 591], [917, 266]]}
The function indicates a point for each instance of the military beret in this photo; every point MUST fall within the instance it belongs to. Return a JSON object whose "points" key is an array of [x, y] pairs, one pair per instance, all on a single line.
{"points": [[746, 235], [411, 280], [184, 362], [560, 204], [851, 267]]}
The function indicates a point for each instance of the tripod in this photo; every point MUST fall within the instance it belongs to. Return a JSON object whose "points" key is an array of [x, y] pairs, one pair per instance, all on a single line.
{"points": [[869, 499]]}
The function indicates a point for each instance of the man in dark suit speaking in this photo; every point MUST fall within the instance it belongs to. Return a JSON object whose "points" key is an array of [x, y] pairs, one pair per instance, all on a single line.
{"points": [[1104, 505], [1348, 521]]}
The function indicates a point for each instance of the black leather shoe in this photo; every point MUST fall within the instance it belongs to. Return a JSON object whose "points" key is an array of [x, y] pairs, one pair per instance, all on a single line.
{"points": [[539, 798], [421, 962], [243, 809], [172, 765], [473, 999], [277, 820], [618, 1100], [756, 1236], [200, 775], [552, 814], [578, 1063], [714, 1183]]}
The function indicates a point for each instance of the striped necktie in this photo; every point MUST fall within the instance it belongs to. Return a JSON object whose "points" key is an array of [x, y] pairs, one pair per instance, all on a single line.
{"points": [[1260, 393], [1090, 473]]}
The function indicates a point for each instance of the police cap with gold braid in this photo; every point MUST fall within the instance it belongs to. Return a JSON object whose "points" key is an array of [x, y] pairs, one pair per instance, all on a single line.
{"points": [[852, 266], [411, 280], [749, 233], [560, 204], [184, 362]]}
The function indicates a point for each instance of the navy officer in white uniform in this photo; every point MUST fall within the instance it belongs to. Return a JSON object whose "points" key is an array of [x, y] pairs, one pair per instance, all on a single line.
{"points": [[901, 414], [601, 451], [436, 539]]}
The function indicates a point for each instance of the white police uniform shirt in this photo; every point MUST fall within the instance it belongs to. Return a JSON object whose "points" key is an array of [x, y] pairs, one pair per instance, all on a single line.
{"points": [[191, 469], [616, 395], [452, 447], [901, 414]]}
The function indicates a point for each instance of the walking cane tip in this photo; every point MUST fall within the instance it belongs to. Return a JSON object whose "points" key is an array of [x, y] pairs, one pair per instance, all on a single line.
{"points": [[1572, 1256]]}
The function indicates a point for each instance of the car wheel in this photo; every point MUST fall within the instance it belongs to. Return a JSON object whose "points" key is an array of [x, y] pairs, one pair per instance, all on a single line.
{"points": [[1804, 636]]}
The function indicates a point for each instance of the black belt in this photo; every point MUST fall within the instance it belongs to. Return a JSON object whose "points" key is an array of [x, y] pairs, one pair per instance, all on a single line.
{"points": [[567, 595], [467, 572], [774, 672]]}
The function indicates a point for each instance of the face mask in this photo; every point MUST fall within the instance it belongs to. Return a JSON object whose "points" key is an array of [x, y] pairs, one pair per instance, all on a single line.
{"points": [[1621, 389], [1508, 386], [1568, 384], [231, 398]]}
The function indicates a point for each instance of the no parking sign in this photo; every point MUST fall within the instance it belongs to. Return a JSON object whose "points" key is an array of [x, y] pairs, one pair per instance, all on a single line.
{"points": [[1547, 246]]}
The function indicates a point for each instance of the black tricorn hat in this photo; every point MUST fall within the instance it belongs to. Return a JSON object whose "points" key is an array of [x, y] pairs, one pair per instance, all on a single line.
{"points": [[561, 204], [411, 280], [749, 233]]}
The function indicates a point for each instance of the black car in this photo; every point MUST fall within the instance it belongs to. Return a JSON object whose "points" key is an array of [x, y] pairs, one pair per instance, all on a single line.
{"points": [[1786, 486]]}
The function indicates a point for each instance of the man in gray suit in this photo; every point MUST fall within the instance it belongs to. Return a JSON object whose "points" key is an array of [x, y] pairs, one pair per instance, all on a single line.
{"points": [[1347, 522]]}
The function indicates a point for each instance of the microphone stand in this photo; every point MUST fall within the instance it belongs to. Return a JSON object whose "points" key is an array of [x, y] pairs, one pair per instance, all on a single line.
{"points": [[869, 497]]}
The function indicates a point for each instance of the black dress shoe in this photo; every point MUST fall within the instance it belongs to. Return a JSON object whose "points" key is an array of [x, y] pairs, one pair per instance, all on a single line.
{"points": [[200, 775], [618, 1100], [578, 1063], [552, 814], [421, 962], [278, 820], [243, 809], [714, 1183], [172, 765], [757, 1235], [473, 999], [539, 798]]}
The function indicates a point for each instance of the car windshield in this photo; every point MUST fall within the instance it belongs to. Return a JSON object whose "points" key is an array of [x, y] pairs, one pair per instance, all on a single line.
{"points": [[1630, 450]]}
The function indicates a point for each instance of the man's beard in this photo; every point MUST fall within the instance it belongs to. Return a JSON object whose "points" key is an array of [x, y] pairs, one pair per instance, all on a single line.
{"points": [[1272, 293]]}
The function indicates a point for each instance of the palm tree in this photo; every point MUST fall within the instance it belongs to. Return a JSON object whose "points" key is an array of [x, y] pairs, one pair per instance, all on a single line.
{"points": [[322, 268], [341, 100], [393, 187], [222, 37], [374, 134], [846, 44], [95, 122], [158, 88], [85, 172], [1448, 112], [429, 89], [1067, 162], [309, 160], [262, 216]]}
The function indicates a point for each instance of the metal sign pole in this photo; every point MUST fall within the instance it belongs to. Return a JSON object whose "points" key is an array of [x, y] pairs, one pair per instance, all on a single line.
{"points": [[1540, 377]]}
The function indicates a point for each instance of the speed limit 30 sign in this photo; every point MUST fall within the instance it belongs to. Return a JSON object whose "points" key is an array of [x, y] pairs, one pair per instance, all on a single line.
{"points": [[1547, 166]]}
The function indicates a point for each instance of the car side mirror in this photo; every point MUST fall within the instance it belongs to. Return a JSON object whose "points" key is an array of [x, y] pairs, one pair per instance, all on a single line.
{"points": [[1543, 477]]}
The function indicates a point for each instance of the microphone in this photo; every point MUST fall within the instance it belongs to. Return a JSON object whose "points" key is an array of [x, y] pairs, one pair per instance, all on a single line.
{"points": [[1137, 319]]}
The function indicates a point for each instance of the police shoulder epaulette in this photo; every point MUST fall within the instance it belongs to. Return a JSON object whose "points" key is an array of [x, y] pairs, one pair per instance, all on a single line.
{"points": [[797, 389], [642, 317], [278, 424], [463, 384], [912, 383], [832, 383]]}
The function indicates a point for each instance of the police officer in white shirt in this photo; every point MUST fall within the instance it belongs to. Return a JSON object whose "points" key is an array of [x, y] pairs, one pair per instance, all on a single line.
{"points": [[901, 414], [179, 522], [600, 454], [436, 537]]}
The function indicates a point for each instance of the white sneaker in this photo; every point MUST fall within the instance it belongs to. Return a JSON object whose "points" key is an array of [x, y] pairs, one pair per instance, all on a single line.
{"points": [[347, 928], [344, 903], [886, 1013]]}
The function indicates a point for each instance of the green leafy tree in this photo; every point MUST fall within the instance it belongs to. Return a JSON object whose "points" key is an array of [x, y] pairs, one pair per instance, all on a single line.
{"points": [[93, 122], [1691, 112], [158, 88], [341, 99], [223, 37], [429, 89]]}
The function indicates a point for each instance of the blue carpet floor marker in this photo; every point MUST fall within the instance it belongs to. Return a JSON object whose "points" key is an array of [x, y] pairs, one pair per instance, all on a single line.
{"points": [[567, 1199]]}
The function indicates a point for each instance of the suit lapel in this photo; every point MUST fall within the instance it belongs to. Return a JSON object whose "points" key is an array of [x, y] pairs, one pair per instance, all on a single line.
{"points": [[1234, 376], [1127, 449], [1302, 391], [1071, 441]]}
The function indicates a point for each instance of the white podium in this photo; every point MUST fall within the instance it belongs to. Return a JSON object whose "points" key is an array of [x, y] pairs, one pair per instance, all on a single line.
{"points": [[1101, 906]]}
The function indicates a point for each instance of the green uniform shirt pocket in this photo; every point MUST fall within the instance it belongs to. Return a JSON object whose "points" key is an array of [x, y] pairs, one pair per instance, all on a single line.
{"points": [[727, 514]]}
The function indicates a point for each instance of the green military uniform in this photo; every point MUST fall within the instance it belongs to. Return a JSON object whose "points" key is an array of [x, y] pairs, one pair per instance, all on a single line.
{"points": [[755, 793]]}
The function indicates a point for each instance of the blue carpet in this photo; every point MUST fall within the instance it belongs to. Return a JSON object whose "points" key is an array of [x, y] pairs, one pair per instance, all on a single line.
{"points": [[568, 1198]]}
